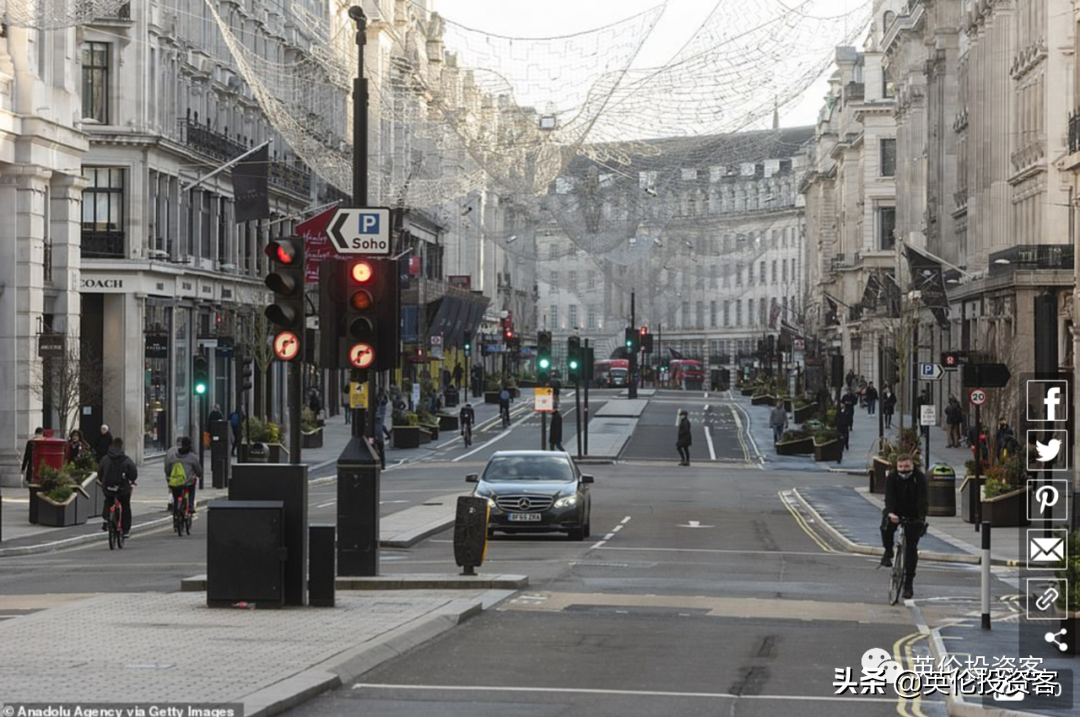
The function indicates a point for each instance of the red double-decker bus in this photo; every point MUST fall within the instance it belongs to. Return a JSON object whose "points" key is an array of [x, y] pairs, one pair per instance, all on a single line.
{"points": [[611, 373], [686, 373]]}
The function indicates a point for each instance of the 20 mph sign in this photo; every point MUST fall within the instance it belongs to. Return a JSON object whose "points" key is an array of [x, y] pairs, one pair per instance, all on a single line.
{"points": [[361, 231], [977, 397]]}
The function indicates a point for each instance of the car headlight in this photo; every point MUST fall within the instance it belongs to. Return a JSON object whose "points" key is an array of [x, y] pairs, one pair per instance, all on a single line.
{"points": [[492, 504], [566, 501]]}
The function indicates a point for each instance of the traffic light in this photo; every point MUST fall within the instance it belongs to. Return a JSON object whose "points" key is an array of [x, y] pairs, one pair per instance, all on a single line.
{"points": [[573, 358], [647, 343], [200, 375], [631, 340], [360, 317], [466, 343], [543, 356], [951, 360], [286, 280], [245, 373]]}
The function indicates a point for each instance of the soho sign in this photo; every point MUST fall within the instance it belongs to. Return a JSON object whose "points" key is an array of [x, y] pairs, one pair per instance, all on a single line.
{"points": [[103, 284]]}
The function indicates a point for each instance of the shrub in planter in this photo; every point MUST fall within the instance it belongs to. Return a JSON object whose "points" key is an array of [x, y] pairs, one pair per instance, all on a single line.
{"points": [[57, 499], [795, 442], [803, 413]]}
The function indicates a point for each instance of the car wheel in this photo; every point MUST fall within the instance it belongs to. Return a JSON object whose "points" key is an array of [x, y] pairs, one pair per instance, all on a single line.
{"points": [[577, 533]]}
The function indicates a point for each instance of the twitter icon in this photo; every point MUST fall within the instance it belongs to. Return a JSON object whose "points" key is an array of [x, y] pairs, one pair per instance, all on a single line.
{"points": [[1047, 450]]}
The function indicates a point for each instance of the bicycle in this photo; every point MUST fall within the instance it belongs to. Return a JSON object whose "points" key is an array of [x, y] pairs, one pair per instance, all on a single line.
{"points": [[466, 434], [115, 524], [896, 578], [504, 412], [182, 513]]}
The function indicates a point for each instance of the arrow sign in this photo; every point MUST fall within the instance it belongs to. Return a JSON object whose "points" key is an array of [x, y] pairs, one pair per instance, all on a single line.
{"points": [[986, 375], [694, 524], [361, 231], [931, 371]]}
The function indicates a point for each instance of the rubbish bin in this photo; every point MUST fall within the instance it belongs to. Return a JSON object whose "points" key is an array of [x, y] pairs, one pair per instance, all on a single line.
{"points": [[942, 490], [257, 453], [48, 451], [451, 397]]}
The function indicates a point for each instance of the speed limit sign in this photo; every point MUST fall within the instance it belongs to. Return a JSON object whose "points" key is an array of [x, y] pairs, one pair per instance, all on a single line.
{"points": [[977, 397]]}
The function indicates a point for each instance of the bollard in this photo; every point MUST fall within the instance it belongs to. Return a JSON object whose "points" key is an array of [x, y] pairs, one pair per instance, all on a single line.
{"points": [[986, 575]]}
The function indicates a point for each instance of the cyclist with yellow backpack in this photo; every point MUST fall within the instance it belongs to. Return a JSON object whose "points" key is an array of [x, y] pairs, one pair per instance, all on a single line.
{"points": [[182, 470]]}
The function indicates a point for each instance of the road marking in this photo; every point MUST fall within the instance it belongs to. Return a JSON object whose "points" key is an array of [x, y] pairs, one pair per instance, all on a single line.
{"points": [[631, 693], [708, 440], [787, 500], [625, 520], [695, 524], [722, 551], [616, 529], [600, 543]]}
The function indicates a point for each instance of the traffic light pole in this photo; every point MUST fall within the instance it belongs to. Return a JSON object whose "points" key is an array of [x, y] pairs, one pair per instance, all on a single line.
{"points": [[577, 415], [632, 391], [295, 408], [588, 379], [363, 421]]}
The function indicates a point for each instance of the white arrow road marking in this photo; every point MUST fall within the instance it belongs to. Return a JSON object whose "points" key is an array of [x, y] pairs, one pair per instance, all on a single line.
{"points": [[695, 524]]}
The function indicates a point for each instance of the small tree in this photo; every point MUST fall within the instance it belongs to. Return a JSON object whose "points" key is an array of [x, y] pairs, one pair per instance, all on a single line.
{"points": [[264, 356], [67, 381]]}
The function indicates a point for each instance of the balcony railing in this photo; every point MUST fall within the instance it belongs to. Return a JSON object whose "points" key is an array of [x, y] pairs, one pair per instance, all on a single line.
{"points": [[205, 140], [1074, 131], [290, 178], [102, 245], [1026, 257]]}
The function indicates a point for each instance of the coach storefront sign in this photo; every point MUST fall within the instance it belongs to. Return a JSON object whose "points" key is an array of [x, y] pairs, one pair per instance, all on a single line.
{"points": [[102, 284], [157, 346]]}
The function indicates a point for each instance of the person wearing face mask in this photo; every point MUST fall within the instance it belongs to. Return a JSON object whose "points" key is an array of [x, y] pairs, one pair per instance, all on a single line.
{"points": [[906, 496]]}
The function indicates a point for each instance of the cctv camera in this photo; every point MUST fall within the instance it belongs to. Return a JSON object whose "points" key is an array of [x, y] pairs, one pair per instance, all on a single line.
{"points": [[357, 13]]}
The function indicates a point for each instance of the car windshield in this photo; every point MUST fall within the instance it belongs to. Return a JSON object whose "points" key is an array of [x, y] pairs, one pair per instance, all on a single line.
{"points": [[549, 469]]}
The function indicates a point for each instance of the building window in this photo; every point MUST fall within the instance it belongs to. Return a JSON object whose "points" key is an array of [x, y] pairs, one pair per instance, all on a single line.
{"points": [[783, 271], [727, 313], [103, 213], [761, 272], [762, 316], [592, 280], [712, 315], [738, 312], [573, 317], [95, 81], [886, 226], [592, 317], [888, 158], [699, 277], [750, 312], [554, 279], [685, 318], [750, 274], [571, 281], [714, 271], [774, 271], [555, 316], [699, 312], [553, 252]]}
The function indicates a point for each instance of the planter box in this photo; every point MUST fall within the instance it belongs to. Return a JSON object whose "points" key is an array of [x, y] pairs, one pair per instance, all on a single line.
{"points": [[62, 515], [804, 414], [491, 396], [828, 452], [278, 453], [798, 447], [879, 469], [95, 497], [406, 436], [747, 391], [425, 436], [311, 439], [765, 400], [1006, 511], [433, 430], [527, 383], [448, 423]]}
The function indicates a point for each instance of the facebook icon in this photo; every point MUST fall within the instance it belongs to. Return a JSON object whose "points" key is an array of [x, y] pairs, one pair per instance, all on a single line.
{"points": [[1048, 400]]}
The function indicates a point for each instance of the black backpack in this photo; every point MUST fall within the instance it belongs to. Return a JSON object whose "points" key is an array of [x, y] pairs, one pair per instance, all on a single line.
{"points": [[113, 477]]}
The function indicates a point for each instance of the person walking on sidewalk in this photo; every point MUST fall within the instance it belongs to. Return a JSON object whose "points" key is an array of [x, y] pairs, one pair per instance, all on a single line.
{"points": [[76, 445], [117, 474], [778, 421], [381, 434], [459, 374], [683, 441], [28, 456], [888, 405], [848, 402], [906, 496], [186, 460], [954, 417], [844, 416], [103, 442], [871, 396], [215, 414], [555, 433]]}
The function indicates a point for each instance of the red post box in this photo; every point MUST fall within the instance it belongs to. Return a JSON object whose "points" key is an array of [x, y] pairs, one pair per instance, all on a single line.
{"points": [[48, 451]]}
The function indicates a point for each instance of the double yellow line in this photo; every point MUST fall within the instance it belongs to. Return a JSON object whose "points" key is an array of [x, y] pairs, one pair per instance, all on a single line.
{"points": [[902, 653], [803, 524]]}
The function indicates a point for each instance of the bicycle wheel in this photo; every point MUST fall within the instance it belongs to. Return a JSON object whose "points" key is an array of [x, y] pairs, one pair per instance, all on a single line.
{"points": [[187, 524], [112, 538], [119, 537], [177, 521]]}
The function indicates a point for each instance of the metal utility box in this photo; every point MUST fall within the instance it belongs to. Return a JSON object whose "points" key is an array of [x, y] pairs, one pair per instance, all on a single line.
{"points": [[245, 553]]}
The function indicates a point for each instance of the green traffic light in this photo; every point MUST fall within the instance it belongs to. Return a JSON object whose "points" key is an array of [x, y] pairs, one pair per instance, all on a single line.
{"points": [[573, 364], [200, 388], [545, 363]]}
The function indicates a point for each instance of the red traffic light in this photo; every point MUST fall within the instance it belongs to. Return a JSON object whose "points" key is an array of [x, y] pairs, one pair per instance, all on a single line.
{"points": [[644, 330], [283, 251], [361, 300], [509, 334], [361, 272]]}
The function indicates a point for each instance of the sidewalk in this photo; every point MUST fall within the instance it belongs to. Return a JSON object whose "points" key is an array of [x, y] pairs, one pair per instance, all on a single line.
{"points": [[288, 656]]}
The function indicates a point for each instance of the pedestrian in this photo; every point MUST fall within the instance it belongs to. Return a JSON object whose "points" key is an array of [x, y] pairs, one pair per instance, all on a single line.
{"points": [[845, 414], [185, 459], [215, 414], [683, 441], [871, 395], [778, 421], [888, 405], [381, 432], [76, 445], [118, 475], [28, 456], [850, 380], [954, 417], [849, 401], [459, 374], [315, 402], [555, 432], [103, 443], [861, 391], [236, 423]]}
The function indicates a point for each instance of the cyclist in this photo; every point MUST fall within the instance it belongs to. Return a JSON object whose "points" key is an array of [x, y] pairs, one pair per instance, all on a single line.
{"points": [[186, 460], [467, 417], [905, 497], [118, 474], [504, 406]]}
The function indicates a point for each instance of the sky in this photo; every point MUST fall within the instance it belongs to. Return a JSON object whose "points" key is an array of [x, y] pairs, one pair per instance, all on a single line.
{"points": [[521, 18]]}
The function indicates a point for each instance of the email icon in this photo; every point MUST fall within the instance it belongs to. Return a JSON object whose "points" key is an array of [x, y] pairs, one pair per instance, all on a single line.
{"points": [[1045, 552]]}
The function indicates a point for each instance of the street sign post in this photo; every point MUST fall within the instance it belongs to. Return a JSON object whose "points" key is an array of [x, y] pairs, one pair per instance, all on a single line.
{"points": [[930, 372], [361, 231], [927, 415], [977, 397], [544, 400]]}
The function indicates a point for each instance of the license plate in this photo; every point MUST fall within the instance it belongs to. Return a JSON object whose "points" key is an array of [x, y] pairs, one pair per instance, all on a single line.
{"points": [[524, 517]]}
